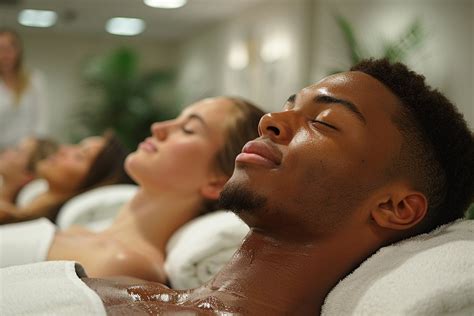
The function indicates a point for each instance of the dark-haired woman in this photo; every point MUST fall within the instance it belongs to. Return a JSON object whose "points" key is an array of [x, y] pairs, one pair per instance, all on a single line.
{"points": [[73, 169]]}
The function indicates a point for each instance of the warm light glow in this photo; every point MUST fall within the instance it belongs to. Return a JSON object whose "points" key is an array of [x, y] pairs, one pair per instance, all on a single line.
{"points": [[37, 18], [238, 57], [125, 26], [274, 49], [165, 4]]}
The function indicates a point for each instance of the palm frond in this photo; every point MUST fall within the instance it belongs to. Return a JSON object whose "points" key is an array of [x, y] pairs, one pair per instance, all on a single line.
{"points": [[355, 51], [396, 51], [126, 103]]}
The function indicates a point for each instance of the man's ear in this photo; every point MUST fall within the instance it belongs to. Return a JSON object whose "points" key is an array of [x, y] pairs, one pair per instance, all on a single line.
{"points": [[212, 189], [401, 211]]}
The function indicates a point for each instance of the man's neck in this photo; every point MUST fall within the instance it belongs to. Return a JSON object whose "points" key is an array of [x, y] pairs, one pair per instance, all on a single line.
{"points": [[277, 277], [266, 276]]}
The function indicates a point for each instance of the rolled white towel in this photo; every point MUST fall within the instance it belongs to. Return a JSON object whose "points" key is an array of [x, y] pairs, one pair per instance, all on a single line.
{"points": [[26, 242], [95, 209], [47, 288], [430, 274], [209, 266], [31, 191], [197, 251]]}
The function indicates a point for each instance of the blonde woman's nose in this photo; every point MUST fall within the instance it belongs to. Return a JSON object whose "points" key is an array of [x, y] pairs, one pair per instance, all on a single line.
{"points": [[159, 130]]}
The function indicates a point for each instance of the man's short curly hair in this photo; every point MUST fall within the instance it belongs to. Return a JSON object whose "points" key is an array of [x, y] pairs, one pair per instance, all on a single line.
{"points": [[438, 149]]}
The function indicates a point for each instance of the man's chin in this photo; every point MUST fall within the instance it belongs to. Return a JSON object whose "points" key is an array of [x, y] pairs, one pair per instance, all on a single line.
{"points": [[237, 197]]}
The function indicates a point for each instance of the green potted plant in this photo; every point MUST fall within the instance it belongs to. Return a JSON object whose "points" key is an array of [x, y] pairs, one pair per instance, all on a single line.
{"points": [[123, 99], [395, 51]]}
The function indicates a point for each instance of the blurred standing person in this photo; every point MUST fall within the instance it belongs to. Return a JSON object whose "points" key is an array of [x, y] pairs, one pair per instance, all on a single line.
{"points": [[22, 95]]}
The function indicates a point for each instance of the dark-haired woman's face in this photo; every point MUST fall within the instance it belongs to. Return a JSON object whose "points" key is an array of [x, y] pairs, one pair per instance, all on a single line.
{"points": [[70, 165], [9, 52], [179, 156], [14, 160]]}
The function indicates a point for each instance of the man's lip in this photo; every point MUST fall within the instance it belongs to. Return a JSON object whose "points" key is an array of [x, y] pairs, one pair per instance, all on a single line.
{"points": [[260, 151], [148, 145]]}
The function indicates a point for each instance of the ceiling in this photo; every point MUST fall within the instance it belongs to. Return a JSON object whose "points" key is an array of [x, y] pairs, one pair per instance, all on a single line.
{"points": [[90, 16]]}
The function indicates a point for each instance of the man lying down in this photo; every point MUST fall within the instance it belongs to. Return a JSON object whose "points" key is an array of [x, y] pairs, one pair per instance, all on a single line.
{"points": [[355, 162]]}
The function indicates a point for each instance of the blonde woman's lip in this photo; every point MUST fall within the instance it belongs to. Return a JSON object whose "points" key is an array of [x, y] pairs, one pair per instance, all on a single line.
{"points": [[147, 145]]}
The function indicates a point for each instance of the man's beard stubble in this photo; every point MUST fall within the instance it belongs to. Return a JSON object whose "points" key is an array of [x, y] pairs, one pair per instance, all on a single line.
{"points": [[238, 198]]}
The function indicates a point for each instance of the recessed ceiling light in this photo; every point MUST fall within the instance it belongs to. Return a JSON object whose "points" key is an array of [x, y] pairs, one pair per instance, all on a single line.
{"points": [[37, 18], [165, 4], [125, 26]]}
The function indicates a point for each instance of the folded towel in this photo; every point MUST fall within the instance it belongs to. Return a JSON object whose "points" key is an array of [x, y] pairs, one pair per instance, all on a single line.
{"points": [[26, 242], [95, 209], [202, 247], [430, 274], [47, 288]]}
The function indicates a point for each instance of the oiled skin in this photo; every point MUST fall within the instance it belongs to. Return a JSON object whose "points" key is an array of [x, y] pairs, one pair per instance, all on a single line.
{"points": [[314, 227], [122, 297]]}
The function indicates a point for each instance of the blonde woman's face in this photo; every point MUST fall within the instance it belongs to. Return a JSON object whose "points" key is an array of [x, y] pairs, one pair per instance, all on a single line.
{"points": [[9, 52], [69, 166], [180, 154]]}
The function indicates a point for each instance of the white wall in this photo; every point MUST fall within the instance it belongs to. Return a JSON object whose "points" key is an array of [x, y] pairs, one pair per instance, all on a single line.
{"points": [[314, 45], [446, 57], [59, 58], [204, 67]]}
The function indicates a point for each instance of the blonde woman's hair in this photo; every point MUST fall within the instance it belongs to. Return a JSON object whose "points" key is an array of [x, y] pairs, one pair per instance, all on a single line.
{"points": [[23, 79], [242, 128]]}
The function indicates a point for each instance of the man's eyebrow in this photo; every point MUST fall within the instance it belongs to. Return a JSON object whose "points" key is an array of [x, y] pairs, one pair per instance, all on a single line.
{"points": [[292, 98], [324, 98], [290, 103]]}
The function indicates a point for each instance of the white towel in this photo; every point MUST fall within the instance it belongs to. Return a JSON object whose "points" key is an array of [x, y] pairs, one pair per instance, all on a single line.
{"points": [[31, 191], [47, 288], [430, 274], [26, 242], [95, 209], [202, 247]]}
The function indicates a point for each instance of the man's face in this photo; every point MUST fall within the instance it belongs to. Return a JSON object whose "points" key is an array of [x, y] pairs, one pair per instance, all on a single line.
{"points": [[318, 161]]}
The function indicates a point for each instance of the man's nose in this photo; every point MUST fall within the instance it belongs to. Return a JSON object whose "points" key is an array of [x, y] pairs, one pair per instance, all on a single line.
{"points": [[276, 126]]}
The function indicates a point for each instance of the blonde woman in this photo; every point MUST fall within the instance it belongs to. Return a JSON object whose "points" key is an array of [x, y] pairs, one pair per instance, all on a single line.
{"points": [[180, 169], [22, 94]]}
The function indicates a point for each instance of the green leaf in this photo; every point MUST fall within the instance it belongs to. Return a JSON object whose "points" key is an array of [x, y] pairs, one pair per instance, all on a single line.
{"points": [[355, 50], [411, 39], [127, 102], [470, 212], [396, 51]]}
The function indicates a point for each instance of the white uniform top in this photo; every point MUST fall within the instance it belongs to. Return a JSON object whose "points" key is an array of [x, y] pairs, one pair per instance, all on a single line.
{"points": [[26, 118]]}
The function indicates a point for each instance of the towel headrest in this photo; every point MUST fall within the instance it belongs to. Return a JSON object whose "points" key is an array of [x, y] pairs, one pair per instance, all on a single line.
{"points": [[429, 274], [97, 208], [199, 249]]}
